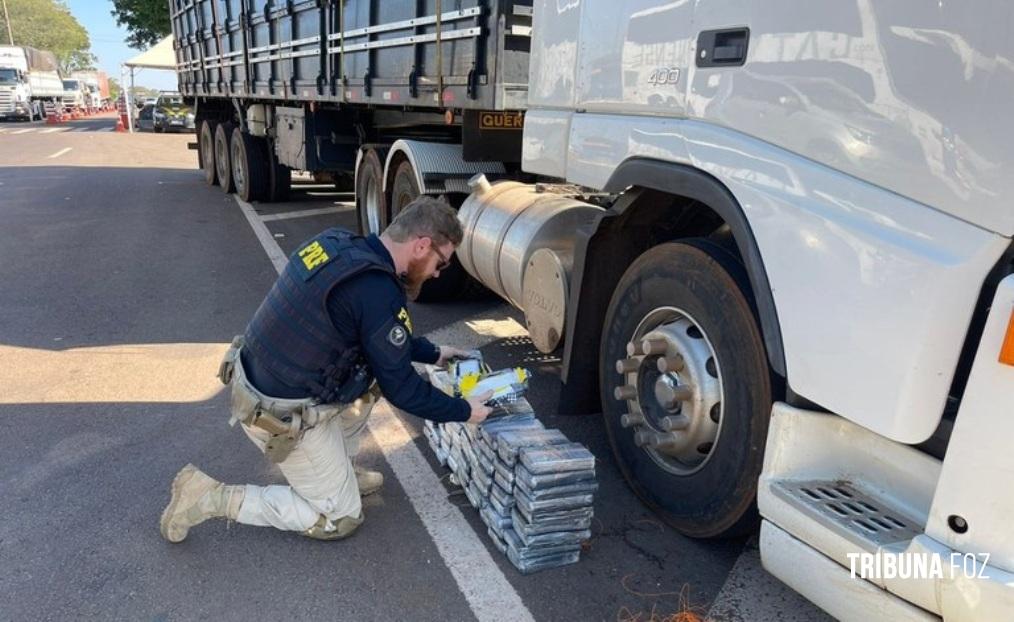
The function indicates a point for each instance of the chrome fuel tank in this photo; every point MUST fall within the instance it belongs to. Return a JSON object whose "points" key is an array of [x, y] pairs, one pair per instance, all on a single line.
{"points": [[505, 225]]}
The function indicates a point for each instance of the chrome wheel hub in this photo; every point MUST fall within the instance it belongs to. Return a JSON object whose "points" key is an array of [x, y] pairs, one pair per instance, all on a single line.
{"points": [[672, 389]]}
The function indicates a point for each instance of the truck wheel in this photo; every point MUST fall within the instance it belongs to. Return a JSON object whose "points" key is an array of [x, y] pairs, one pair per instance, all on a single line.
{"points": [[688, 416], [280, 176], [249, 166], [371, 204], [449, 285], [223, 167], [207, 151]]}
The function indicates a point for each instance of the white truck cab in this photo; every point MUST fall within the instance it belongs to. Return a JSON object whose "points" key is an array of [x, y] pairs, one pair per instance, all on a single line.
{"points": [[847, 166]]}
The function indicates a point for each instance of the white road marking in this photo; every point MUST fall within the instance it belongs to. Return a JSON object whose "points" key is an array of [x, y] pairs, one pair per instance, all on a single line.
{"points": [[488, 592], [50, 130], [275, 253], [27, 129], [61, 152], [303, 213], [107, 129]]}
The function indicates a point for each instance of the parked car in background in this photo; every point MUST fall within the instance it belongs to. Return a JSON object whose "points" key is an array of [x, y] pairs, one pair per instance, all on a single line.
{"points": [[171, 113]]}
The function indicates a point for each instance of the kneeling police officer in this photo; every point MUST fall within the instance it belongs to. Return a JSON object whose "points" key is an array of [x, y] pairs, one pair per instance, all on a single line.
{"points": [[302, 376]]}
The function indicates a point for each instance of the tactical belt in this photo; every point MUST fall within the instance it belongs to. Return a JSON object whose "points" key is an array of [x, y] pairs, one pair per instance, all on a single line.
{"points": [[284, 419]]}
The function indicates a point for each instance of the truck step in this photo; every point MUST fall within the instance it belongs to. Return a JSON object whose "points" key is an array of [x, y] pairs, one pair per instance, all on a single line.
{"points": [[862, 518]]}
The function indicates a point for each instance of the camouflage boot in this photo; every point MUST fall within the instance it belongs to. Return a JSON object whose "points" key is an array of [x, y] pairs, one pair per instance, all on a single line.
{"points": [[196, 497], [327, 529]]}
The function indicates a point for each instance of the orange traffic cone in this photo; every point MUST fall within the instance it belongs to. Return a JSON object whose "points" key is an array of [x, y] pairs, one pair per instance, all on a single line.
{"points": [[119, 125]]}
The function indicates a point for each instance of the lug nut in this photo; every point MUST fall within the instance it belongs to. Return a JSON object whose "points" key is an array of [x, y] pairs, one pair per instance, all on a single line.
{"points": [[654, 346], [626, 366], [625, 392], [671, 363], [674, 422], [645, 437], [633, 349], [631, 420]]}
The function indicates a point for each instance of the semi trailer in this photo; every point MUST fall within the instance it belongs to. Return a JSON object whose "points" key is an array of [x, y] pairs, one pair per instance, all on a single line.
{"points": [[770, 241]]}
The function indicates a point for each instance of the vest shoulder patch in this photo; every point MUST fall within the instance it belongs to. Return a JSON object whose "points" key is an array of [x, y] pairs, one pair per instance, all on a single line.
{"points": [[313, 256]]}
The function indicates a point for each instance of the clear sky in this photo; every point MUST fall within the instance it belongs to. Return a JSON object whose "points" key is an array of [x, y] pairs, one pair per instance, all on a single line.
{"points": [[108, 43]]}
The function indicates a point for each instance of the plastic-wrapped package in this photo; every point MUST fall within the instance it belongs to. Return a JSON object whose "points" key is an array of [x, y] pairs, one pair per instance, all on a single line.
{"points": [[577, 521], [507, 385], [516, 542], [557, 458], [492, 518], [485, 450], [498, 542], [505, 482], [475, 497], [568, 490], [482, 481], [505, 475], [548, 506], [485, 464], [550, 480], [503, 497], [500, 506], [535, 564], [565, 517], [554, 538], [490, 428], [452, 463], [510, 442]]}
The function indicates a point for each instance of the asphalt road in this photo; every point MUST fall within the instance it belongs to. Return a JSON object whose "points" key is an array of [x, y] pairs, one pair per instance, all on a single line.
{"points": [[124, 278]]}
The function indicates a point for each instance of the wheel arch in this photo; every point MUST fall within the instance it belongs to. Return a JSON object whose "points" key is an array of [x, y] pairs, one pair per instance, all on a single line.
{"points": [[605, 250]]}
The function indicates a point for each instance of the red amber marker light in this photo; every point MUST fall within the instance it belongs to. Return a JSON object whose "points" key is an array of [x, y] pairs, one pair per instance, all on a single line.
{"points": [[1007, 351]]}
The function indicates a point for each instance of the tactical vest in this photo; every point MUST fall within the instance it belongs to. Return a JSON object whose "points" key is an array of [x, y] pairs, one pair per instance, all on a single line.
{"points": [[291, 337]]}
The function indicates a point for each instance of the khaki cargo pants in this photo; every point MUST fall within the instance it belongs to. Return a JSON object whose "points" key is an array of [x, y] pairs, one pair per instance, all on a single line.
{"points": [[318, 467]]}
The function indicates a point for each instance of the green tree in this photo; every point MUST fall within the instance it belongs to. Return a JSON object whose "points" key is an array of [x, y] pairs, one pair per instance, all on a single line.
{"points": [[114, 88], [48, 25], [146, 20]]}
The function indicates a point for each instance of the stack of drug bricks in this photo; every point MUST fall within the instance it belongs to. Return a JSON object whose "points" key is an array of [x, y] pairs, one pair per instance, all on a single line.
{"points": [[533, 488]]}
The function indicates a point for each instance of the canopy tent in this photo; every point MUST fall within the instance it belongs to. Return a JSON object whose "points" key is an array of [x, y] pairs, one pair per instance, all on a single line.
{"points": [[160, 56]]}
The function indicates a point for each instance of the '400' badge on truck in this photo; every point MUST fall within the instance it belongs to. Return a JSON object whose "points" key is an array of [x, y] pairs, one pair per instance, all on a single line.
{"points": [[664, 75]]}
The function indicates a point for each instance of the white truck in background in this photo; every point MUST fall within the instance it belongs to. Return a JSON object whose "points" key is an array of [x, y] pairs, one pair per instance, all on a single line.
{"points": [[96, 85], [75, 95], [773, 240], [29, 78]]}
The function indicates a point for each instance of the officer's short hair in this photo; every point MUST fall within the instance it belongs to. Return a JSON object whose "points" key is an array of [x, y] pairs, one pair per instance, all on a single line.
{"points": [[426, 217]]}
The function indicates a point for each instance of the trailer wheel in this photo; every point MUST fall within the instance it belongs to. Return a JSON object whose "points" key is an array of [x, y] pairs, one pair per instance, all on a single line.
{"points": [[279, 175], [249, 166], [685, 387], [207, 151], [223, 166], [371, 203]]}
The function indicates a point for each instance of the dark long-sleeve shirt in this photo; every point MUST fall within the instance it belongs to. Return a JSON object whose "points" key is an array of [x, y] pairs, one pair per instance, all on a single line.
{"points": [[371, 308]]}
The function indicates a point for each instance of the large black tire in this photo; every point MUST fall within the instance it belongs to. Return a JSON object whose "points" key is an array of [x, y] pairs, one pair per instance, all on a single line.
{"points": [[371, 202], [249, 161], [279, 176], [206, 151], [707, 284], [223, 158]]}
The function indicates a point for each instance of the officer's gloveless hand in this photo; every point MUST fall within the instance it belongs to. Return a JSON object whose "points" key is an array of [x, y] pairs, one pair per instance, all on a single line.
{"points": [[479, 409], [448, 353]]}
